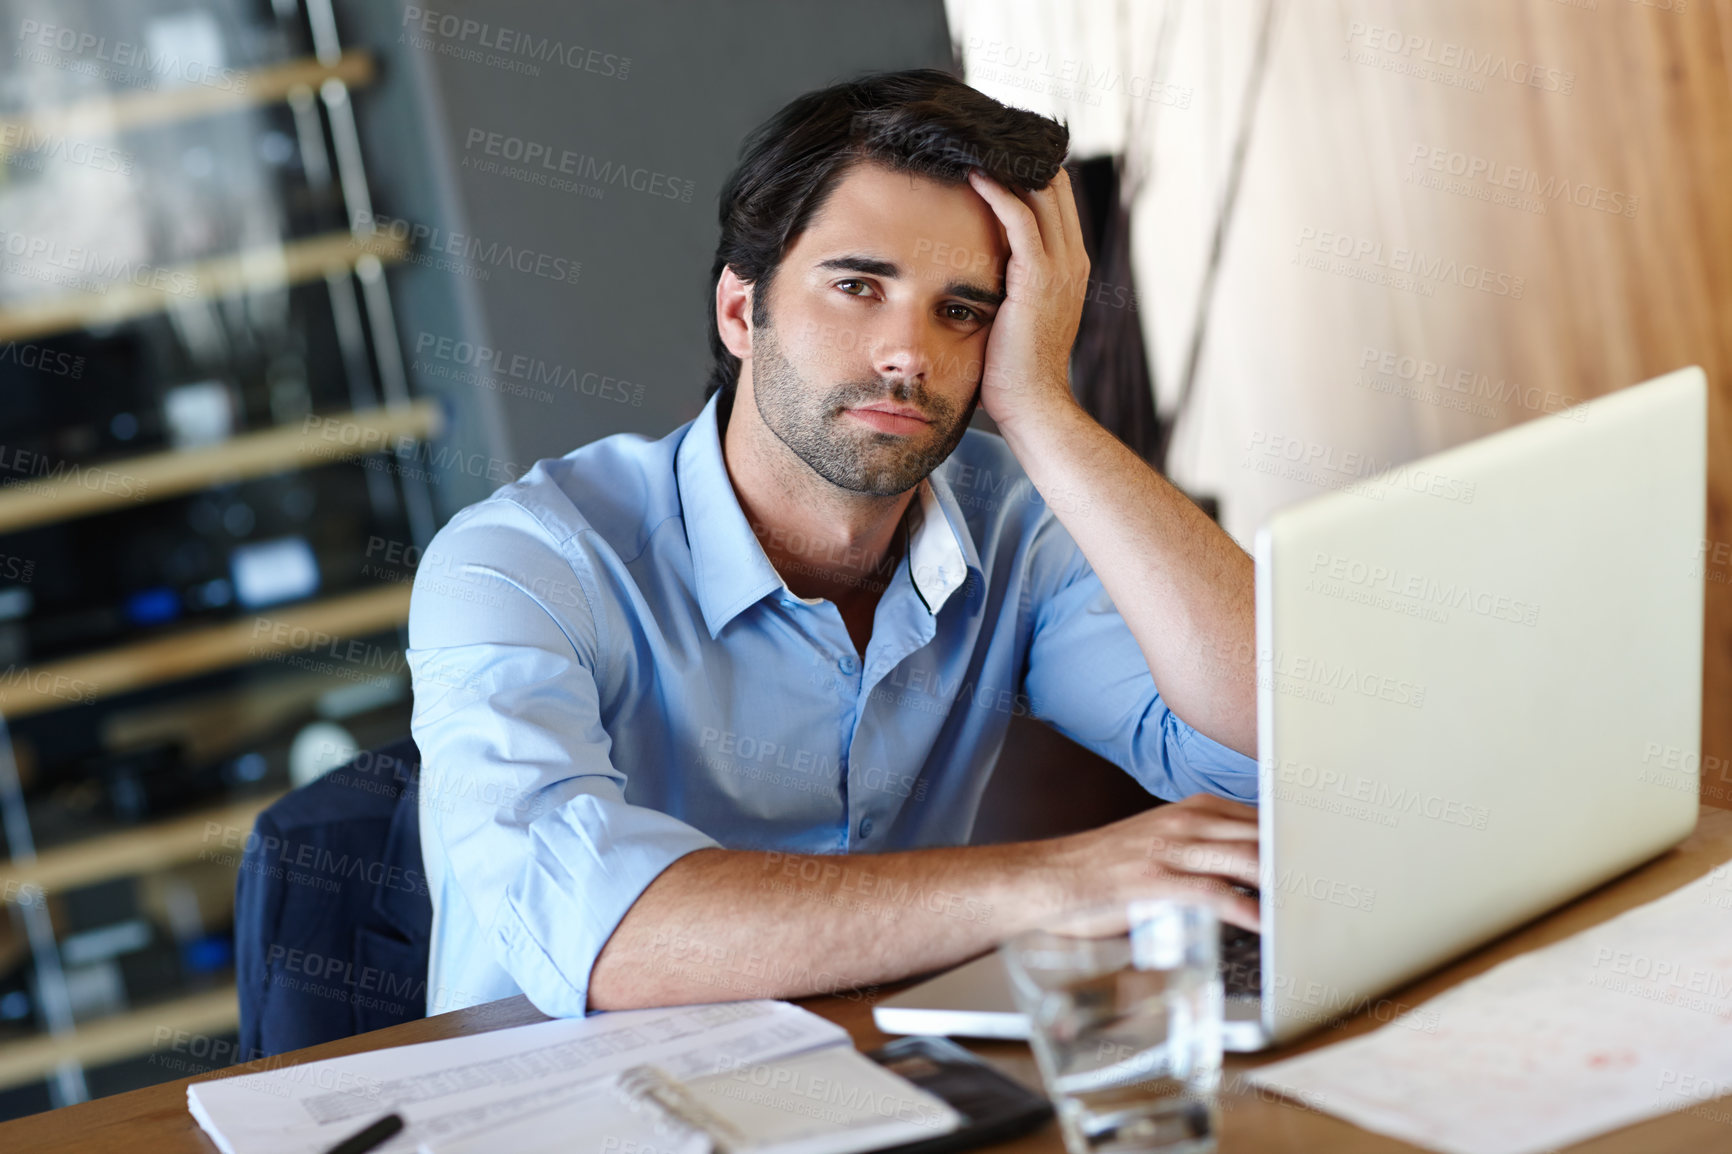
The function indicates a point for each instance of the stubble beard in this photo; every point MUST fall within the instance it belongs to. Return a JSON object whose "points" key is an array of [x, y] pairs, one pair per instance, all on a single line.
{"points": [[811, 421]]}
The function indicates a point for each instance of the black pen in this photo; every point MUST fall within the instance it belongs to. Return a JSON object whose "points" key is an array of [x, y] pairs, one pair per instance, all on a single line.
{"points": [[370, 1137]]}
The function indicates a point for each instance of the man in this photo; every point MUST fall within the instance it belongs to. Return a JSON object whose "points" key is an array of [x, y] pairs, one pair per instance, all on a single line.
{"points": [[661, 687]]}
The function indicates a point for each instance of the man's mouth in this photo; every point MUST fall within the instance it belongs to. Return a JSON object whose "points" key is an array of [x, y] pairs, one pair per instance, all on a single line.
{"points": [[891, 418]]}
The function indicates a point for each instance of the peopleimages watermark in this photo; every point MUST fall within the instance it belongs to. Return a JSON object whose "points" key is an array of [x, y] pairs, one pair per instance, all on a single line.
{"points": [[1664, 981], [1320, 1004], [1414, 594], [1664, 974], [450, 578], [513, 49], [1715, 553], [1677, 1087], [465, 254], [877, 889], [47, 683], [925, 690], [743, 971], [1465, 390], [803, 1093], [50, 479], [1303, 782], [1311, 677], [1405, 269], [212, 1052], [347, 439], [1480, 178], [1065, 77], [795, 768], [73, 266], [16, 569], [42, 359], [315, 651], [504, 370], [561, 169], [29, 146], [1296, 458], [956, 258], [1290, 882], [305, 862], [118, 61], [1676, 767], [16, 893], [1447, 62]]}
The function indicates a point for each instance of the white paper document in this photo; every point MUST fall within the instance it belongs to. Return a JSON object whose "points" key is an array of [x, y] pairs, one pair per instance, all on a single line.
{"points": [[1622, 1022], [447, 1089], [829, 1101]]}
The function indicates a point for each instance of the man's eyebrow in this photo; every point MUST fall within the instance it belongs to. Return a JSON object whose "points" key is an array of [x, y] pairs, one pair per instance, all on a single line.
{"points": [[976, 293], [869, 265], [890, 270]]}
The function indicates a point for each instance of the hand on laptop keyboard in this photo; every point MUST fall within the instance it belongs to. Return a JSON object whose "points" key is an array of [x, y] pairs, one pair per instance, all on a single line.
{"points": [[1203, 847]]}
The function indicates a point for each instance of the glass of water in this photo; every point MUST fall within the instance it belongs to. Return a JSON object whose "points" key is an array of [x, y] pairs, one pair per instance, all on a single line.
{"points": [[1124, 1004]]}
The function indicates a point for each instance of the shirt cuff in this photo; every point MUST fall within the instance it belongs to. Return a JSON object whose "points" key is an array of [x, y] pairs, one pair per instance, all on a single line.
{"points": [[1204, 765], [587, 864]]}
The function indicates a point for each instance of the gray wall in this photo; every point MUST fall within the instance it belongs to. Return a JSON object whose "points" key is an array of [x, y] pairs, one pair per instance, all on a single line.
{"points": [[700, 75]]}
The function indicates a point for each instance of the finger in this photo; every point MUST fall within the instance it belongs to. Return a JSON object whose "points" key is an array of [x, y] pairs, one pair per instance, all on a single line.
{"points": [[1240, 910], [1232, 860], [1229, 905], [1068, 210], [1209, 824], [1019, 222], [1044, 203], [1205, 805]]}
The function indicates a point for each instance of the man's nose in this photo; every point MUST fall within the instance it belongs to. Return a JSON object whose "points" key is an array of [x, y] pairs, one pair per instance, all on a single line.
{"points": [[902, 349]]}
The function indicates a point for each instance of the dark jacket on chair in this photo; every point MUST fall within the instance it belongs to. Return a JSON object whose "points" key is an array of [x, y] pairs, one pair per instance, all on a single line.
{"points": [[332, 913]]}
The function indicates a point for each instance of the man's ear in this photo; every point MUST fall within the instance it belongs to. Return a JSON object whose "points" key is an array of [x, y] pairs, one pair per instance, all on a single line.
{"points": [[734, 313]]}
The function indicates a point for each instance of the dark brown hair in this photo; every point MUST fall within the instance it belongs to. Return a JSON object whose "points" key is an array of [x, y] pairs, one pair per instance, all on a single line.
{"points": [[921, 120]]}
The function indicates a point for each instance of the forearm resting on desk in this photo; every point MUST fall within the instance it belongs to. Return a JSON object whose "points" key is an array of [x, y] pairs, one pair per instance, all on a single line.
{"points": [[720, 925]]}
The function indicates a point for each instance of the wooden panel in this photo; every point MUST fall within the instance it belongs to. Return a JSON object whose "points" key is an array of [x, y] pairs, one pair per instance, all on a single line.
{"points": [[135, 850], [267, 267], [139, 108], [189, 652], [124, 1035], [1583, 153], [86, 489]]}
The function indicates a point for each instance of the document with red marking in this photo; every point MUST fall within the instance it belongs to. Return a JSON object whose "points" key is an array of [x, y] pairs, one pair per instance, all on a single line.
{"points": [[1624, 1021]]}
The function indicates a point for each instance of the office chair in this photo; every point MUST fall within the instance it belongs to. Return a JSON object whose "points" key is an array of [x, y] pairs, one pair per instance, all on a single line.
{"points": [[332, 912]]}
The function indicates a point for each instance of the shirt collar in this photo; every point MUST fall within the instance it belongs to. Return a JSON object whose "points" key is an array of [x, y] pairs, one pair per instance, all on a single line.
{"points": [[730, 569], [937, 562]]}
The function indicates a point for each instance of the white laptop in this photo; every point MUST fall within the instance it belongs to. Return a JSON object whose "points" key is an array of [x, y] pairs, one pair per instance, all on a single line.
{"points": [[1476, 676]]}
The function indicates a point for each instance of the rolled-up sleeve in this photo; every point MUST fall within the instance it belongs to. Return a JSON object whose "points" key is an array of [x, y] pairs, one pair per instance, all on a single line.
{"points": [[519, 798], [1086, 677]]}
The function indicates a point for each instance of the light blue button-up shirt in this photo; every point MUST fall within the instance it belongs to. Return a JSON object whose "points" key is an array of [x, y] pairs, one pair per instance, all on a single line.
{"points": [[609, 673]]}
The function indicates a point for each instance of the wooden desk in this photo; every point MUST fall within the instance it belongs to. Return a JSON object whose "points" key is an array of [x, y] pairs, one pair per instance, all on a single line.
{"points": [[155, 1120]]}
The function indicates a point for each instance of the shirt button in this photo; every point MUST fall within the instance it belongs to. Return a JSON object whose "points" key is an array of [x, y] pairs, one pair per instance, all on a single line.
{"points": [[849, 664], [865, 827]]}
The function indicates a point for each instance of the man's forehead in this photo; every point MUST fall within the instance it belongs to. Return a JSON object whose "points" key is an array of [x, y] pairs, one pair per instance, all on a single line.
{"points": [[927, 228]]}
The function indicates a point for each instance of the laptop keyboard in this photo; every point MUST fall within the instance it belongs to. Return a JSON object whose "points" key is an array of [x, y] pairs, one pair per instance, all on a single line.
{"points": [[1241, 961]]}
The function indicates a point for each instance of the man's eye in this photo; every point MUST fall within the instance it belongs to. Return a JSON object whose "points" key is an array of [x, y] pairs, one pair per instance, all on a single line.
{"points": [[960, 313], [860, 284]]}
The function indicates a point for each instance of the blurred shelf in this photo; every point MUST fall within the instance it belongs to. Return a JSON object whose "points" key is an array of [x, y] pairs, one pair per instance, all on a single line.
{"points": [[205, 649], [142, 107], [167, 842], [123, 1035], [174, 472], [268, 266]]}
